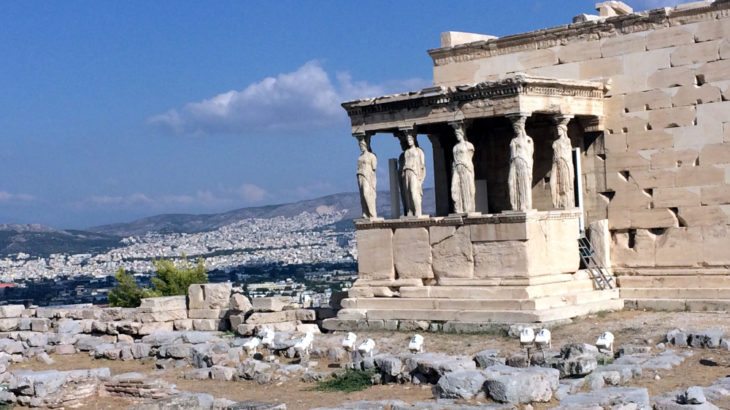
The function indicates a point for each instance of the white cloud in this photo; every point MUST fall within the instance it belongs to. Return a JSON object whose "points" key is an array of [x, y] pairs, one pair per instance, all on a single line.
{"points": [[8, 197], [252, 193], [640, 5], [304, 99]]}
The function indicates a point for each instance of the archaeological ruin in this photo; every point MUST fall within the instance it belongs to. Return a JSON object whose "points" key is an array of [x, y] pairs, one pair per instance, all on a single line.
{"points": [[577, 169]]}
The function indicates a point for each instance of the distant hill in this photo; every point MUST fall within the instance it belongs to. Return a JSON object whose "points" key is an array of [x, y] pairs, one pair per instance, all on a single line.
{"points": [[39, 240], [189, 223]]}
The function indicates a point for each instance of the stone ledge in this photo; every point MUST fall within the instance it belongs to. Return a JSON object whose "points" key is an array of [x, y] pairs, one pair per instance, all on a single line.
{"points": [[485, 219]]}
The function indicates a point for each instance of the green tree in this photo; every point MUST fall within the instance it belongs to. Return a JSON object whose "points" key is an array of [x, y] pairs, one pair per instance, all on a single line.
{"points": [[127, 293], [174, 279]]}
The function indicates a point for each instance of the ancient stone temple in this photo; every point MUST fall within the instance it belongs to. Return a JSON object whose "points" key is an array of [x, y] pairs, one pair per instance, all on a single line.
{"points": [[615, 127]]}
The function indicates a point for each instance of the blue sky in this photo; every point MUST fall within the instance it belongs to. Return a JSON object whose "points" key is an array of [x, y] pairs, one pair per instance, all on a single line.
{"points": [[111, 111]]}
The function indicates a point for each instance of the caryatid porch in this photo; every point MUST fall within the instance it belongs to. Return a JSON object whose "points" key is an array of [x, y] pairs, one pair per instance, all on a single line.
{"points": [[513, 257]]}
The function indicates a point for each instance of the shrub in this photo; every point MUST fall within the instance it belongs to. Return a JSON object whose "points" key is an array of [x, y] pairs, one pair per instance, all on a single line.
{"points": [[350, 381], [171, 279], [127, 293]]}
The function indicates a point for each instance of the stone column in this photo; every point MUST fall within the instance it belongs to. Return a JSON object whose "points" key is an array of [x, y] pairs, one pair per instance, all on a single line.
{"points": [[413, 172], [520, 164], [440, 175], [367, 164], [562, 173]]}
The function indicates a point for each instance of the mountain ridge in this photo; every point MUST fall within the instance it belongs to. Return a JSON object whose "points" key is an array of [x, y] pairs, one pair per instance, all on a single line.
{"points": [[192, 223]]}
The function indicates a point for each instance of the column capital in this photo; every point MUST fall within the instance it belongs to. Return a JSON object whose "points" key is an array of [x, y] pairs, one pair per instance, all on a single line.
{"points": [[362, 134], [562, 119], [518, 115]]}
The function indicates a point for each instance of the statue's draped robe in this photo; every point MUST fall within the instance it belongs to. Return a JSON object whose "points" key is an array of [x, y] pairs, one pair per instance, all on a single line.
{"points": [[462, 182], [561, 175], [520, 173], [367, 183], [413, 174]]}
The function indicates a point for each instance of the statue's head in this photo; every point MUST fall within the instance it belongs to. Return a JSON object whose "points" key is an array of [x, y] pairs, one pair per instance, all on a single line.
{"points": [[410, 140], [362, 142], [459, 134], [563, 130], [518, 125]]}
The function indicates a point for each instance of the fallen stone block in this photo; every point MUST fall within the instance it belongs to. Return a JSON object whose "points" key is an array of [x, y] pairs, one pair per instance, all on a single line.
{"points": [[40, 325], [107, 351], [464, 384], [69, 326], [222, 373], [162, 338], [162, 316], [489, 357], [8, 325], [434, 365], [140, 350], [707, 338], [210, 324], [610, 397], [175, 351], [511, 385], [183, 324], [11, 311], [162, 304], [11, 346], [270, 304], [389, 365], [197, 374], [240, 303], [149, 328]]}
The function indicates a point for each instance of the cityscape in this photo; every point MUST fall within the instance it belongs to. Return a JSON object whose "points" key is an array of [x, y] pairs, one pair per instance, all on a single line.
{"points": [[277, 256]]}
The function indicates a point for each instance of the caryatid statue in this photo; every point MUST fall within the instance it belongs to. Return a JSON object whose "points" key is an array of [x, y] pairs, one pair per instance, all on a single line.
{"points": [[413, 172], [463, 188], [521, 150], [561, 175], [367, 162]]}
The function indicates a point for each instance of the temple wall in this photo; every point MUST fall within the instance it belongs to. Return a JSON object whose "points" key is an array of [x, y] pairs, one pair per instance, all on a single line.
{"points": [[475, 250], [665, 181]]}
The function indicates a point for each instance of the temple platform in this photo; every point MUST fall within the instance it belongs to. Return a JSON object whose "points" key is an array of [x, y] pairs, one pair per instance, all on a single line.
{"points": [[504, 268]]}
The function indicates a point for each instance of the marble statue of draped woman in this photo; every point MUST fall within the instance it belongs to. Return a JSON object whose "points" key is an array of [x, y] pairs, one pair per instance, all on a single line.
{"points": [[561, 175], [367, 163], [520, 168], [463, 189]]}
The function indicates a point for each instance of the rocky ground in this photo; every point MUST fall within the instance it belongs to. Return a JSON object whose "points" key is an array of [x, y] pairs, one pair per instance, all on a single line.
{"points": [[454, 370]]}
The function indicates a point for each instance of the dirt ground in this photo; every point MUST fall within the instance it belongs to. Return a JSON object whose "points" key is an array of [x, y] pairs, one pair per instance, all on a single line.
{"points": [[636, 327]]}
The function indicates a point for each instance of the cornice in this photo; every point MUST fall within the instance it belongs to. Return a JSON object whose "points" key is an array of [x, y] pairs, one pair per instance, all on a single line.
{"points": [[513, 86], [583, 31]]}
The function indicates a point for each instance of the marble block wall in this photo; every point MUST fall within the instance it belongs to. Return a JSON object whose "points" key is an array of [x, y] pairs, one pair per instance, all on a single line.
{"points": [[498, 246], [660, 171]]}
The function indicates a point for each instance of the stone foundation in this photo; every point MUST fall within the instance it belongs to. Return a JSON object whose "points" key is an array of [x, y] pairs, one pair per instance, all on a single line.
{"points": [[504, 268]]}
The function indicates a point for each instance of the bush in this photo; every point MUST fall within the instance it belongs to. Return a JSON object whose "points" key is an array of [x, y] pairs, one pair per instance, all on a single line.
{"points": [[170, 280], [348, 382], [127, 293]]}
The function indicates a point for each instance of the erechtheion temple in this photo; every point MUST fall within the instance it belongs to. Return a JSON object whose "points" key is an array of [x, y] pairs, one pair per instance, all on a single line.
{"points": [[576, 169]]}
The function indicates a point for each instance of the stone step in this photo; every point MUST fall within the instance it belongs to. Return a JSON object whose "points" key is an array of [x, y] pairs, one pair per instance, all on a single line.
{"points": [[679, 281], [675, 293], [536, 304], [680, 305], [569, 312], [496, 292], [468, 316], [497, 316]]}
